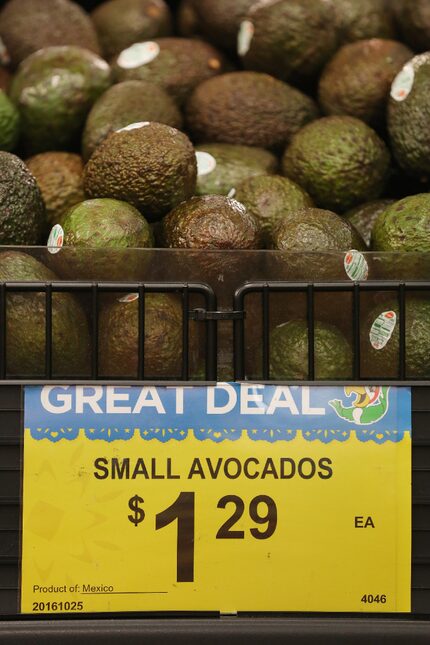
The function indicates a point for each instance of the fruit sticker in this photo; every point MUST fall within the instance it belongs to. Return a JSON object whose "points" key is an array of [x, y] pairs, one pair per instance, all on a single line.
{"points": [[403, 83], [231, 193], [134, 126], [56, 239], [382, 329], [205, 163], [138, 54], [244, 37], [356, 266], [130, 297]]}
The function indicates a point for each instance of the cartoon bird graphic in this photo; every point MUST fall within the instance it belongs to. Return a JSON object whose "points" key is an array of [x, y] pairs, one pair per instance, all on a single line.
{"points": [[369, 406]]}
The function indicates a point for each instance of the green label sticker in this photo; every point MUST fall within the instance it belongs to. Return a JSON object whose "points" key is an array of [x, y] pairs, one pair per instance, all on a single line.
{"points": [[356, 266], [382, 329]]}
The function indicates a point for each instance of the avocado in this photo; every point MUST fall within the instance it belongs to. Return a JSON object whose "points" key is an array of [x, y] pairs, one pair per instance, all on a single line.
{"points": [[60, 179], [414, 23], [29, 25], [22, 211], [289, 352], [150, 165], [9, 123], [121, 23], [270, 199], [118, 337], [5, 79], [221, 167], [177, 65], [25, 324], [363, 217], [339, 160], [290, 40], [362, 19], [247, 108], [404, 226], [187, 21], [357, 81], [219, 20], [211, 222], [313, 229], [54, 90], [409, 114], [125, 103]]}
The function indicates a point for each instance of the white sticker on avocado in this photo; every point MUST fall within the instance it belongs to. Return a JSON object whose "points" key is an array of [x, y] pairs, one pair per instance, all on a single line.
{"points": [[130, 297], [382, 329], [134, 126], [138, 54], [244, 37], [403, 83], [205, 163], [232, 193], [356, 266], [56, 239]]}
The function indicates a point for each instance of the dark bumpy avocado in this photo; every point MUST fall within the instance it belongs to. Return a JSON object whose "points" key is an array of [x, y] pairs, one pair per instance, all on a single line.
{"points": [[22, 211], [247, 108], [177, 65], [220, 20], [211, 222], [339, 161], [125, 103], [361, 19], [289, 39], [9, 123], [289, 352], [358, 79], [270, 198], [221, 167], [404, 226], [409, 114], [59, 176], [118, 343], [414, 23], [363, 217], [25, 350], [5, 79], [29, 25], [54, 90], [187, 22], [313, 229], [120, 23], [151, 166]]}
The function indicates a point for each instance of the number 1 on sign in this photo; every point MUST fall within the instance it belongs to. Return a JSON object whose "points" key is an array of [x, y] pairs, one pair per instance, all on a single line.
{"points": [[182, 510]]}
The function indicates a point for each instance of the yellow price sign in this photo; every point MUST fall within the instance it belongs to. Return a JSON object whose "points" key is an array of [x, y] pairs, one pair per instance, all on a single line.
{"points": [[232, 498]]}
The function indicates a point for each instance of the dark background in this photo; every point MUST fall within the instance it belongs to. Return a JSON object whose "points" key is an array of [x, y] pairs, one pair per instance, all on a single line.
{"points": [[90, 4]]}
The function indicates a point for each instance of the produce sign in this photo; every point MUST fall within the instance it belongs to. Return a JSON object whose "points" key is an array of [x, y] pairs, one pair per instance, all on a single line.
{"points": [[231, 498]]}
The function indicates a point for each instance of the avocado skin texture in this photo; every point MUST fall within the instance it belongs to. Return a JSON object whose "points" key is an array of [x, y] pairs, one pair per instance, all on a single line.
{"points": [[120, 23], [153, 168], [358, 79], [59, 177], [29, 25], [408, 121], [22, 211], [270, 198], [362, 19], [404, 226], [181, 65], [414, 23], [234, 165], [363, 217], [187, 21], [211, 222], [219, 20], [25, 323], [313, 229], [339, 161], [291, 39], [54, 90], [289, 352], [125, 103], [384, 363], [118, 341], [9, 123], [247, 108]]}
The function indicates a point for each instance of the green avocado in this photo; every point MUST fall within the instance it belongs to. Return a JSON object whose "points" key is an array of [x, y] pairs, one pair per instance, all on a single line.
{"points": [[220, 20], [289, 352], [54, 90], [404, 226], [25, 324], [222, 167], [414, 23], [125, 103], [9, 123], [363, 217], [339, 160], [247, 108], [121, 23], [150, 165], [270, 199], [361, 19], [22, 211]]}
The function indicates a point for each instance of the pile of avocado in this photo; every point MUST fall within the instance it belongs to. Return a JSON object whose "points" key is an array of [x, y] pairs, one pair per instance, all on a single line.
{"points": [[299, 126]]}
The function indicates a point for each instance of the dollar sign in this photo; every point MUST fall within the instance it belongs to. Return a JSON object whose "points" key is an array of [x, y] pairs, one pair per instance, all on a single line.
{"points": [[139, 513]]}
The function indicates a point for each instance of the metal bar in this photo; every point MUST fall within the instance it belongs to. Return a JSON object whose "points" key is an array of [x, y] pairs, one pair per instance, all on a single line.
{"points": [[402, 332], [356, 332], [266, 334], [185, 334], [48, 331], [141, 334], [3, 320], [211, 331], [311, 332], [239, 336], [95, 331]]}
